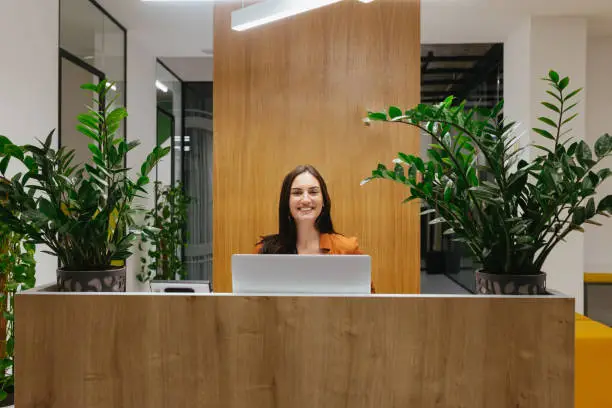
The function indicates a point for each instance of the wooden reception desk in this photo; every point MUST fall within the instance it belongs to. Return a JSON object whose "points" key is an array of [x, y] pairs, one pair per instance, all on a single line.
{"points": [[154, 351]]}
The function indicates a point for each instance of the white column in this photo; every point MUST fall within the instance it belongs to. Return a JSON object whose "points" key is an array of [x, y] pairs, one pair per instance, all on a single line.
{"points": [[597, 256], [537, 46], [29, 83], [141, 125]]}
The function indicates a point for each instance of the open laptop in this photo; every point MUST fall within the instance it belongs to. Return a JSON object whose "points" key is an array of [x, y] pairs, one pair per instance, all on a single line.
{"points": [[301, 274]]}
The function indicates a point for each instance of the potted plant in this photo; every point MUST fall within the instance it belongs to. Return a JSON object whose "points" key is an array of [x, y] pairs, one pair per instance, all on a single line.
{"points": [[17, 273], [511, 223], [84, 213], [169, 217]]}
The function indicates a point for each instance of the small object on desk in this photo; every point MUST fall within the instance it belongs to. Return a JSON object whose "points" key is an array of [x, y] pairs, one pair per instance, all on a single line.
{"points": [[179, 286]]}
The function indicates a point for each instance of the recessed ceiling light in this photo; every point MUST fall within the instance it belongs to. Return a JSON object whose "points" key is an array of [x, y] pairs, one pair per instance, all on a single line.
{"points": [[273, 10]]}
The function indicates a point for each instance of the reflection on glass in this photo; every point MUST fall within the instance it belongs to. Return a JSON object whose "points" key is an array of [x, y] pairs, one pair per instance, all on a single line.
{"points": [[474, 73], [92, 37], [198, 178], [169, 124]]}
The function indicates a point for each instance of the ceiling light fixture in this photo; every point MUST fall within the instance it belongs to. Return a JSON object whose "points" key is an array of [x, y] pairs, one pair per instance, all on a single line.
{"points": [[161, 87], [273, 10], [366, 1]]}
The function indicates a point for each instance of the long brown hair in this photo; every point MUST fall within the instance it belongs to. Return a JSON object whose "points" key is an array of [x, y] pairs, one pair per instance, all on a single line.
{"points": [[285, 242]]}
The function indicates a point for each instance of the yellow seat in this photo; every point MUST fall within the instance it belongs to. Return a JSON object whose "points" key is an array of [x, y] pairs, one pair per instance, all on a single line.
{"points": [[593, 364], [597, 277]]}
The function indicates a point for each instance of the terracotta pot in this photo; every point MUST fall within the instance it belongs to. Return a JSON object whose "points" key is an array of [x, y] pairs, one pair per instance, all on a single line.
{"points": [[491, 284], [111, 280]]}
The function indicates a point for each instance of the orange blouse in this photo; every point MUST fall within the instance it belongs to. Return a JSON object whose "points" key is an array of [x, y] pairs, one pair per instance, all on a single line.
{"points": [[334, 244]]}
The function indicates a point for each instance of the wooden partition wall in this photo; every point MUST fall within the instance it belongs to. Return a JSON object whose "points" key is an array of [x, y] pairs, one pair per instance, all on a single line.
{"points": [[295, 92]]}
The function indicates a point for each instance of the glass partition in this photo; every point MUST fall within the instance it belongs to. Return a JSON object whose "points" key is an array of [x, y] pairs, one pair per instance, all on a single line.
{"points": [[474, 73], [198, 168], [169, 124], [93, 40]]}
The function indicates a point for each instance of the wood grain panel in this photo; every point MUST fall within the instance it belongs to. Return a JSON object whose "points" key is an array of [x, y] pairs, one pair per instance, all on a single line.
{"points": [[295, 92], [152, 351]]}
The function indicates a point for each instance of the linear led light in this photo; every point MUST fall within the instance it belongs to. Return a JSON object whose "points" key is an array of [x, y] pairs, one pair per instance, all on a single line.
{"points": [[273, 10], [161, 87]]}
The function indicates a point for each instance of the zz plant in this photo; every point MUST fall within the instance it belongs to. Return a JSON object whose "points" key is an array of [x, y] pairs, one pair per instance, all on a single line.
{"points": [[83, 212], [168, 218], [512, 222], [17, 273]]}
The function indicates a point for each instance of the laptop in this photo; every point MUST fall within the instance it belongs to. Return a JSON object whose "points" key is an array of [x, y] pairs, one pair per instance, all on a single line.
{"points": [[301, 274]]}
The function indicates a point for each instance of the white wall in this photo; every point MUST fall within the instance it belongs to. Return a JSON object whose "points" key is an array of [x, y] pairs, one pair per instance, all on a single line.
{"points": [[518, 78], [28, 83], [141, 125], [598, 240], [535, 47]]}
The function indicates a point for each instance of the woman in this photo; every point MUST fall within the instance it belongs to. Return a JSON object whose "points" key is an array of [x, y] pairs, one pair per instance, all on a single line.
{"points": [[304, 219]]}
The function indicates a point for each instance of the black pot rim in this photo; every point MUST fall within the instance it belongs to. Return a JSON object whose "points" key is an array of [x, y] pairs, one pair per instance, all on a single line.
{"points": [[481, 272], [106, 269]]}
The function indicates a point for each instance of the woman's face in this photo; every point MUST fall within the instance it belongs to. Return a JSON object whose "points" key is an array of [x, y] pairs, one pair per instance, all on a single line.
{"points": [[306, 200]]}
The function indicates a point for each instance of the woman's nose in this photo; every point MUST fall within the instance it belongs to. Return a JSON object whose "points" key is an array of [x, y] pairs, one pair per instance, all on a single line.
{"points": [[305, 197]]}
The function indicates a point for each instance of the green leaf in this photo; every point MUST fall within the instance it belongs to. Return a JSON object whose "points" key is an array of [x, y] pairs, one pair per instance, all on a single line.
{"points": [[604, 174], [605, 204], [4, 164], [448, 191], [47, 208], [583, 152], [90, 87], [551, 107], [544, 133], [569, 119], [564, 83], [590, 208], [554, 96], [379, 116], [579, 216], [572, 94], [87, 132], [572, 106], [95, 150], [548, 121], [603, 145], [395, 112], [554, 76], [544, 148]]}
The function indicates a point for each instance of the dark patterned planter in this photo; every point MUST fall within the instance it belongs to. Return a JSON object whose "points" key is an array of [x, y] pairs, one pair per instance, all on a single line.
{"points": [[112, 280], [9, 401], [490, 284]]}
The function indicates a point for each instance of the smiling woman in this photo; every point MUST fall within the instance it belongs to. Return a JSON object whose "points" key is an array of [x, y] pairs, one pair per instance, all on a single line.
{"points": [[305, 225]]}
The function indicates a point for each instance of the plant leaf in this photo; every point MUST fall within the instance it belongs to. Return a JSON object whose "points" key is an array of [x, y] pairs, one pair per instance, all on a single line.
{"points": [[551, 107], [544, 133], [395, 112], [554, 76], [603, 145], [548, 121]]}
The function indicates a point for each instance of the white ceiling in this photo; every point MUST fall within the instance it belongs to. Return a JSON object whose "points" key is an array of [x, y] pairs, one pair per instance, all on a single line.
{"points": [[185, 29]]}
